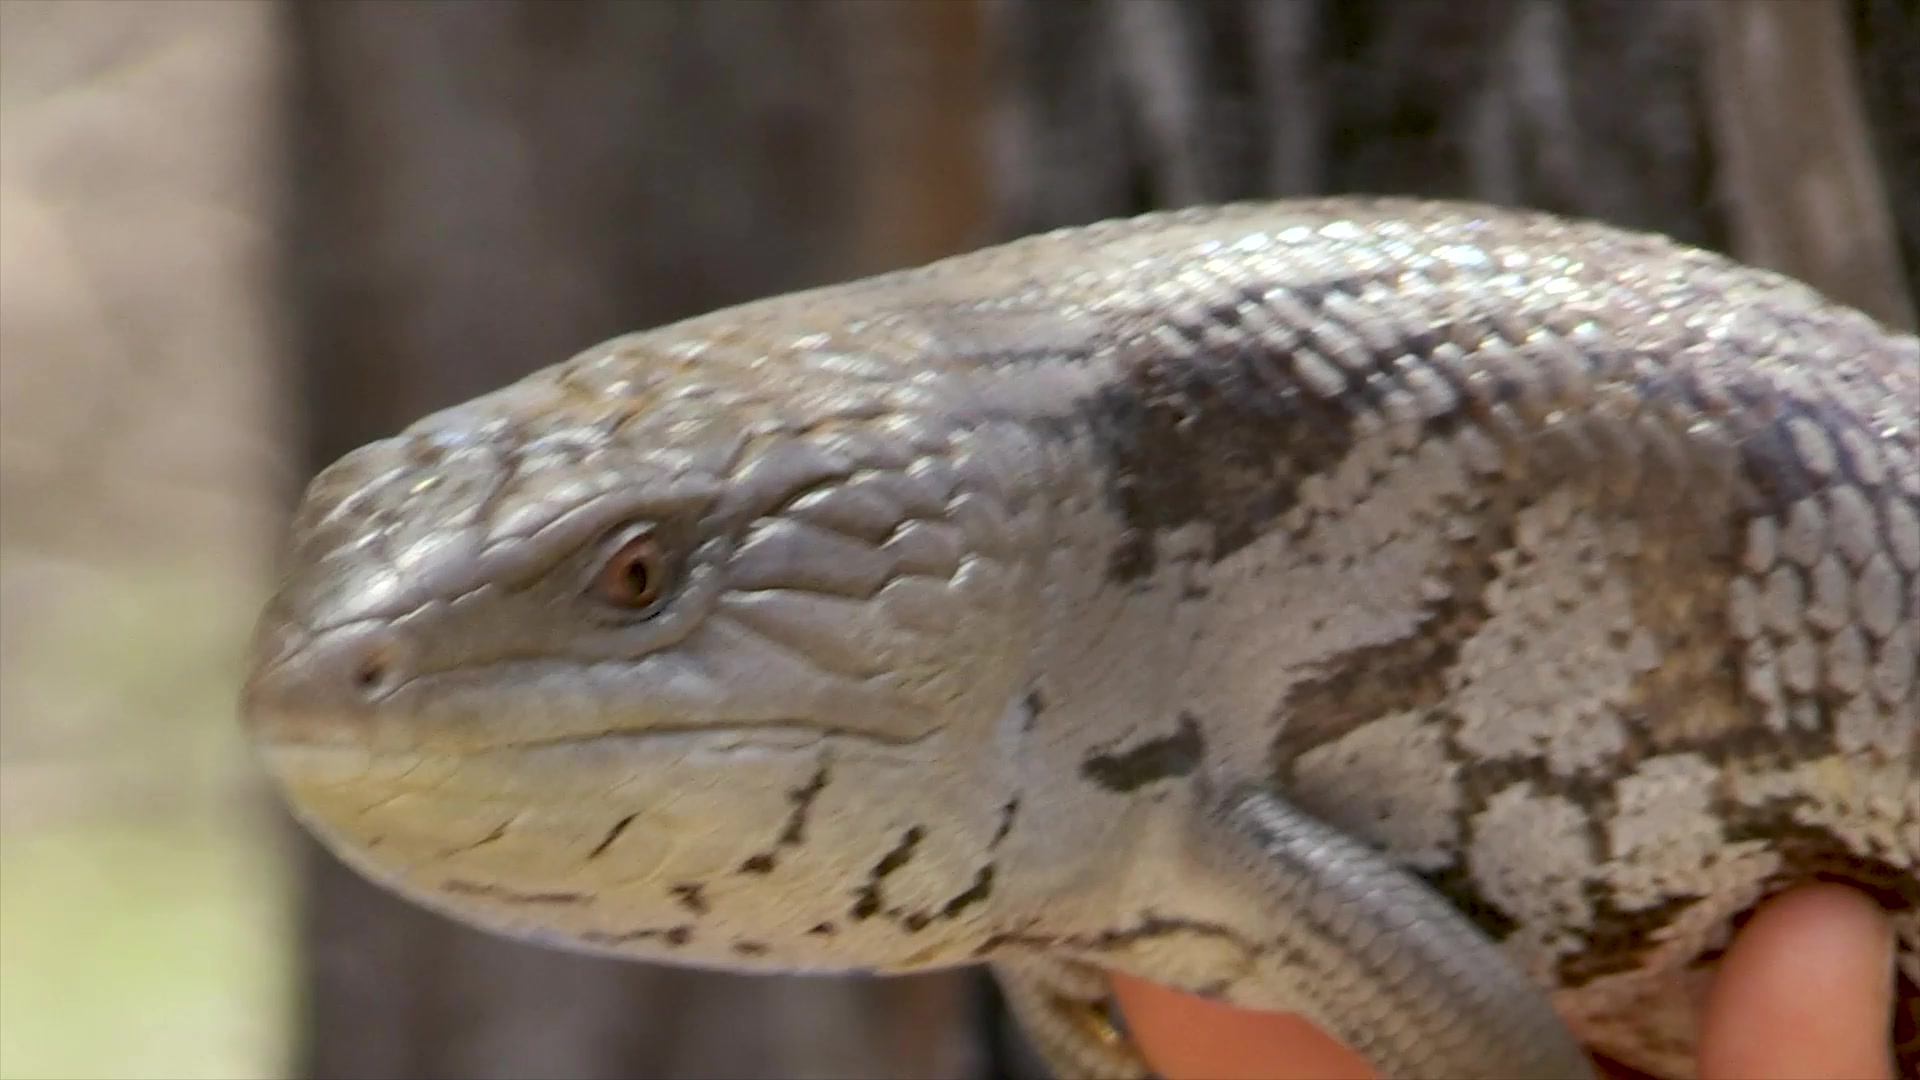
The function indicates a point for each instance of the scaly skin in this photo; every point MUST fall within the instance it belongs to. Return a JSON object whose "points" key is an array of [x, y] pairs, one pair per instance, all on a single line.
{"points": [[1569, 576]]}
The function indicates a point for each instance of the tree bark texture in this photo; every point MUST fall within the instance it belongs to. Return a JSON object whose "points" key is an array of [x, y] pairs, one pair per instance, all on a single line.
{"points": [[1785, 133]]}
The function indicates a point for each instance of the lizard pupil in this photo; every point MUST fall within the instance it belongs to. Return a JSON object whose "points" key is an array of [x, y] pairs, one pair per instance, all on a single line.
{"points": [[632, 576]]}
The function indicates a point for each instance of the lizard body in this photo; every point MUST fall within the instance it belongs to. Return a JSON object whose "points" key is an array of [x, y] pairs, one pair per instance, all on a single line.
{"points": [[1383, 609]]}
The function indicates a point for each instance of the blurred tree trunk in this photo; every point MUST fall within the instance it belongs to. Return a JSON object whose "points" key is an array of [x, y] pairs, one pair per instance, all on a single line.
{"points": [[481, 189], [1783, 133]]}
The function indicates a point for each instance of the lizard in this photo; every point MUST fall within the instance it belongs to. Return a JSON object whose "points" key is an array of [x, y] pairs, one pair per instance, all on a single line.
{"points": [[1443, 621]]}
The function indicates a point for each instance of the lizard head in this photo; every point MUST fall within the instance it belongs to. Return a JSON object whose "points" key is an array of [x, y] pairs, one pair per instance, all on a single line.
{"points": [[663, 655]]}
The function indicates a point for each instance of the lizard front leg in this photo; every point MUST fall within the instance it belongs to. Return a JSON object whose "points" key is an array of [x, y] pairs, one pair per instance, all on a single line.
{"points": [[1362, 948], [1066, 1011]]}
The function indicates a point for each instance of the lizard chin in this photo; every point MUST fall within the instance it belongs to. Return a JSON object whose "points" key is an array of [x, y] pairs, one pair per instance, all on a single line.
{"points": [[723, 846]]}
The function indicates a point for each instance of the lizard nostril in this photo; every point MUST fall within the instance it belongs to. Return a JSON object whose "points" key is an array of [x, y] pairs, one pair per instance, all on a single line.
{"points": [[320, 688], [373, 676], [376, 667]]}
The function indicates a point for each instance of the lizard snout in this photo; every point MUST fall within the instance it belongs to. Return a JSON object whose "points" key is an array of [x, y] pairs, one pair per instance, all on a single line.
{"points": [[308, 689]]}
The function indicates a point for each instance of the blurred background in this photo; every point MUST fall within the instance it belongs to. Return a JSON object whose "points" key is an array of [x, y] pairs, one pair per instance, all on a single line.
{"points": [[239, 238]]}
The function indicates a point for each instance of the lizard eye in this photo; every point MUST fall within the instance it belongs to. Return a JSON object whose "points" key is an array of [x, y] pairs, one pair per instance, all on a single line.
{"points": [[634, 576]]}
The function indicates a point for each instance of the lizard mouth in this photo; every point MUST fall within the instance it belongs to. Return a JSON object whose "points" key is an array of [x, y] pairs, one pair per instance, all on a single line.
{"points": [[785, 735], [325, 750]]}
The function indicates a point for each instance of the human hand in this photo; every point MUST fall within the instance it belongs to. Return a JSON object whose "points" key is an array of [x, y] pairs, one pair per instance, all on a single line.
{"points": [[1804, 991]]}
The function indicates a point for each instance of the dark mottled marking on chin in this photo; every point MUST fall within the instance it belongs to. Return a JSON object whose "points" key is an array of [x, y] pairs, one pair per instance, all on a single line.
{"points": [[822, 929], [1163, 758], [498, 832], [866, 902], [613, 834], [914, 921], [624, 937], [673, 936], [690, 897], [749, 948], [802, 798], [1620, 939], [901, 853], [979, 891], [794, 831], [459, 887], [1009, 811]]}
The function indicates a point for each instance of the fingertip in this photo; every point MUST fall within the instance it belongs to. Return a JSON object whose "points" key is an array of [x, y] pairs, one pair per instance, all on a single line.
{"points": [[1804, 991]]}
